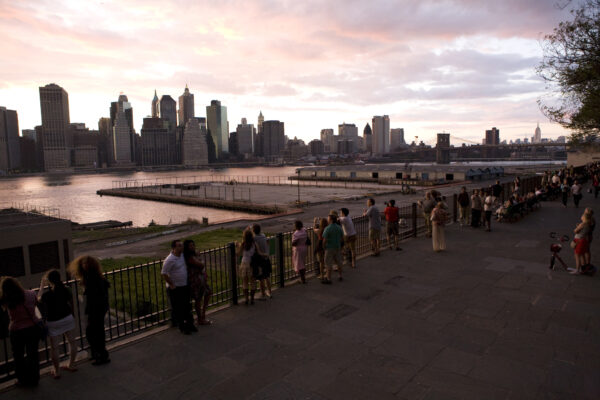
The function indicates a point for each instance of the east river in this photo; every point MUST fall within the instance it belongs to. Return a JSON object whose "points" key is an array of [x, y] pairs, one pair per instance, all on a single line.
{"points": [[76, 199]]}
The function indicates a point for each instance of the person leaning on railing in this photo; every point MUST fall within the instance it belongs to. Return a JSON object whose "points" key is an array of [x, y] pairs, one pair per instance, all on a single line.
{"points": [[319, 226], [174, 273], [23, 329], [88, 270]]}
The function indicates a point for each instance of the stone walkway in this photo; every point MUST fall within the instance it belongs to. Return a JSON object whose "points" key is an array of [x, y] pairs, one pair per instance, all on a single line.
{"points": [[483, 320]]}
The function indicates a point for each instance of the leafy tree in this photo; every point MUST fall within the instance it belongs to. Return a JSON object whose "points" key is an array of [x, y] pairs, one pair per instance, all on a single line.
{"points": [[571, 70]]}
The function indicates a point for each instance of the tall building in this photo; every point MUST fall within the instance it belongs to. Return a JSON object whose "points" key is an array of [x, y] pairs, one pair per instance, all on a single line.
{"points": [[245, 137], [272, 138], [186, 107], [157, 142], [126, 131], [537, 136], [367, 138], [56, 143], [327, 137], [194, 148], [492, 136], [316, 147], [217, 126], [348, 132], [381, 134], [168, 111], [261, 119], [155, 108], [122, 139], [396, 138], [10, 148], [29, 133]]}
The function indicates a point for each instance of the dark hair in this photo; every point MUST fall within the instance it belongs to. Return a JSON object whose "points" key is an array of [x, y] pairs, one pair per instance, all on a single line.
{"points": [[372, 200], [53, 276], [323, 224], [392, 203], [345, 211], [256, 229], [174, 243], [86, 268], [298, 224], [248, 240], [333, 218], [11, 292], [187, 251]]}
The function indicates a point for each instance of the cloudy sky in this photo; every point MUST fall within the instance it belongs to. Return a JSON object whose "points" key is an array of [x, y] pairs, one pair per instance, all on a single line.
{"points": [[460, 66]]}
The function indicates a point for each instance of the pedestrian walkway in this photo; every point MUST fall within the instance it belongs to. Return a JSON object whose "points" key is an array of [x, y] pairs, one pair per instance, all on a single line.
{"points": [[483, 320]]}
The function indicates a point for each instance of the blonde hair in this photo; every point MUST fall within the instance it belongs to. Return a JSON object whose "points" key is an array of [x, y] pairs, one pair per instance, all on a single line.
{"points": [[86, 269]]}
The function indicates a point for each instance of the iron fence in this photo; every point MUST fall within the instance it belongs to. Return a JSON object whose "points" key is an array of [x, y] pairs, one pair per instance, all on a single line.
{"points": [[138, 297]]}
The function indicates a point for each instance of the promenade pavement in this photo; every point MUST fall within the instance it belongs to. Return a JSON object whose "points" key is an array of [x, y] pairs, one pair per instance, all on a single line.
{"points": [[483, 320]]}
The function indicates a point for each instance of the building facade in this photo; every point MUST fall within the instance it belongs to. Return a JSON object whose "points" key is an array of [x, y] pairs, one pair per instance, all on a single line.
{"points": [[56, 143], [381, 135], [272, 138], [194, 148], [10, 150], [168, 111], [157, 142], [367, 138], [397, 138], [217, 127], [492, 136], [122, 140], [245, 137], [186, 107], [349, 132]]}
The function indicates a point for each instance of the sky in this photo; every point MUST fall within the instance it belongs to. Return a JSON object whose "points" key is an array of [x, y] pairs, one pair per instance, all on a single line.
{"points": [[458, 66]]}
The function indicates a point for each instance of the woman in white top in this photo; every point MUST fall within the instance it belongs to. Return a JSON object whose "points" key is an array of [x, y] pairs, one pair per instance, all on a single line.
{"points": [[488, 208], [349, 234]]}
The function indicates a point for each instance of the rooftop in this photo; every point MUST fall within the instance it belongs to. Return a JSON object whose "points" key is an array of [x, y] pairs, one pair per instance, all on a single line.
{"points": [[11, 217]]}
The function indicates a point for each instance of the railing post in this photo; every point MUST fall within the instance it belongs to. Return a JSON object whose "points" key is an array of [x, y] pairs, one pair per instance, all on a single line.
{"points": [[280, 260], [455, 206], [233, 272], [414, 219]]}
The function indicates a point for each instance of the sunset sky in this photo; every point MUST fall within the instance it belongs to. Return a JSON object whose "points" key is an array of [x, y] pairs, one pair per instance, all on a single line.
{"points": [[460, 66]]}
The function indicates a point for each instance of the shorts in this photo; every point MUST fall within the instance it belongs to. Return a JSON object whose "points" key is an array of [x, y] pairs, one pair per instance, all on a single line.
{"points": [[333, 257], [374, 234], [392, 228], [350, 242]]}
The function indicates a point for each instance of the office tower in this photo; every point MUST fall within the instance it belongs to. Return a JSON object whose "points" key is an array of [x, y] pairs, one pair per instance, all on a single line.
{"points": [[443, 148], [29, 133], [273, 138], [261, 119], [367, 138], [316, 147], [537, 136], [27, 147], [194, 150], [122, 139], [186, 107], [122, 106], [155, 107], [217, 127], [157, 142], [106, 148], [396, 138], [168, 111], [245, 133], [381, 134], [349, 132], [327, 138], [492, 136], [56, 143], [233, 144], [10, 149]]}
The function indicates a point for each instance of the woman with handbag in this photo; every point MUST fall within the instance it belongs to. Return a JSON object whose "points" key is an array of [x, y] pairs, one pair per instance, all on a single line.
{"points": [[198, 281], [56, 303], [25, 330], [247, 249], [88, 270], [299, 249]]}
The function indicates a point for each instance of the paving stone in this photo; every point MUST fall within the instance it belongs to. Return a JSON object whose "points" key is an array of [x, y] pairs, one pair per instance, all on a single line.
{"points": [[509, 374], [455, 361]]}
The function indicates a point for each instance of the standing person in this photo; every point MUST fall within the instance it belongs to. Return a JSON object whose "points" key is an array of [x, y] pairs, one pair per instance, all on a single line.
{"points": [[497, 190], [332, 241], [517, 184], [463, 204], [319, 227], [299, 250], [488, 208], [88, 270], [56, 304], [438, 219], [198, 281], [174, 272], [374, 226], [247, 249], [592, 223], [23, 330], [427, 205], [349, 234], [564, 188], [582, 232], [596, 185], [576, 189], [476, 205], [265, 280], [392, 217]]}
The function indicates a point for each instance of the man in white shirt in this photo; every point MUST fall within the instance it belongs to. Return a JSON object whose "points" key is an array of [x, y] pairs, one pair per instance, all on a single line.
{"points": [[488, 208], [174, 273], [349, 234]]}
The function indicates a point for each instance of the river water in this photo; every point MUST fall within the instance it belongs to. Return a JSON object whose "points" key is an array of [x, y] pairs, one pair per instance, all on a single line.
{"points": [[76, 199]]}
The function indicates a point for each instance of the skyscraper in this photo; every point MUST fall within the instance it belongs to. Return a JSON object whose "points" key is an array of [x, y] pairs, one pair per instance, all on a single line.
{"points": [[396, 138], [381, 134], [122, 105], [348, 132], [368, 138], [122, 139], [157, 142], [261, 119], [168, 111], [10, 148], [492, 136], [186, 107], [327, 138], [273, 138], [194, 151], [217, 126], [155, 108], [537, 136], [56, 141], [245, 137]]}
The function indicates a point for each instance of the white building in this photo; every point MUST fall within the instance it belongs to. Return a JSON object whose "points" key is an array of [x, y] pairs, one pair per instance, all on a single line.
{"points": [[537, 136], [381, 134]]}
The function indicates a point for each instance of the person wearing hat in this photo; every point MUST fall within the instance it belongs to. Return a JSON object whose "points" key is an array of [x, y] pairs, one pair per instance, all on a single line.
{"points": [[332, 238], [374, 226]]}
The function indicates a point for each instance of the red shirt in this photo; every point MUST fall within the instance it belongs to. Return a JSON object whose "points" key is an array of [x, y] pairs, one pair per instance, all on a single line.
{"points": [[391, 214]]}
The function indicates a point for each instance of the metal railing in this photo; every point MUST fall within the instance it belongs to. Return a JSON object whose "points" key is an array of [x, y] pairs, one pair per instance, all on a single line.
{"points": [[138, 296]]}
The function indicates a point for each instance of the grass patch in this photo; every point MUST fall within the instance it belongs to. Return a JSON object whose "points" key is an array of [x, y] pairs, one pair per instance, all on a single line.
{"points": [[212, 239], [110, 264], [87, 236]]}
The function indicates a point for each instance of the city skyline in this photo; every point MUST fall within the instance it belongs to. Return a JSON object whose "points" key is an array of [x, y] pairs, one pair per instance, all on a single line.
{"points": [[430, 68]]}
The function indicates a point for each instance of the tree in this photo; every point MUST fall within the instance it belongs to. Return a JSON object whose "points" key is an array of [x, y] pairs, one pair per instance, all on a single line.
{"points": [[571, 70]]}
